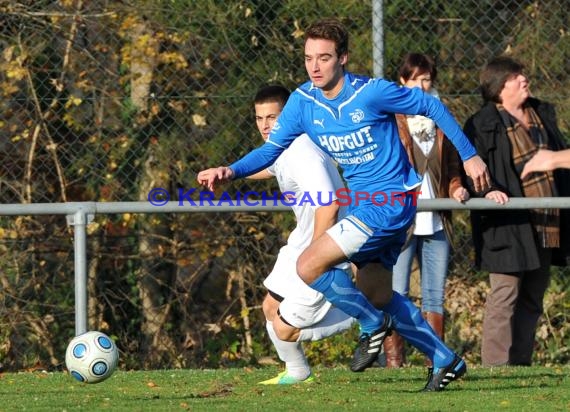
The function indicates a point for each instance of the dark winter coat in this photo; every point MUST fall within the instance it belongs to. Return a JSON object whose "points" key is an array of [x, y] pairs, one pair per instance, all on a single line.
{"points": [[504, 241]]}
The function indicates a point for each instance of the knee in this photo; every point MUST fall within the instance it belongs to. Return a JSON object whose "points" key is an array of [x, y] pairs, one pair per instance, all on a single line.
{"points": [[286, 336], [304, 270], [269, 307], [285, 332]]}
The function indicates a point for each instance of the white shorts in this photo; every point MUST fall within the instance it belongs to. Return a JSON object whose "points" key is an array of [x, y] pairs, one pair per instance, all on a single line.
{"points": [[299, 314], [301, 306]]}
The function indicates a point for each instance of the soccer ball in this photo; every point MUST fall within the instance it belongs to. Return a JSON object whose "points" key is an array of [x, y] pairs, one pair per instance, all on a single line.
{"points": [[91, 357]]}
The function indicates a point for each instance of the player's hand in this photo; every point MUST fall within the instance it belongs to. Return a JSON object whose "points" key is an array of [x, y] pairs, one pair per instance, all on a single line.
{"points": [[211, 177], [540, 162], [460, 194], [498, 196], [476, 169]]}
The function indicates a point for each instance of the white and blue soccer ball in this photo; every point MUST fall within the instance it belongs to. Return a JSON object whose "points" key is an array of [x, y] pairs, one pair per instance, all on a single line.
{"points": [[91, 357]]}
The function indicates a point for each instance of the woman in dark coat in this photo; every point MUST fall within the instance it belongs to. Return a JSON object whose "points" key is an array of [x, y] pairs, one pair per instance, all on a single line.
{"points": [[517, 247]]}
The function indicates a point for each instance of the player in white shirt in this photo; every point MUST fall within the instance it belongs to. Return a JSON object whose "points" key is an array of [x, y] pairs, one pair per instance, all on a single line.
{"points": [[294, 311]]}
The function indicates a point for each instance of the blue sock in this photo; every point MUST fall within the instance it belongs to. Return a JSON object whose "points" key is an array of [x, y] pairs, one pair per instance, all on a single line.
{"points": [[409, 322], [339, 289]]}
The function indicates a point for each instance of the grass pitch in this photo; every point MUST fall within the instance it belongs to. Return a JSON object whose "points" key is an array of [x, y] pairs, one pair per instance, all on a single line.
{"points": [[482, 389]]}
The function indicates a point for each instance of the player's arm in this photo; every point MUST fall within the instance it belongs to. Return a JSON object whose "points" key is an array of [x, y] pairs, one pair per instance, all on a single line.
{"points": [[255, 161], [545, 160], [414, 101], [455, 189], [474, 166], [214, 176], [264, 174], [396, 99], [285, 130], [471, 131]]}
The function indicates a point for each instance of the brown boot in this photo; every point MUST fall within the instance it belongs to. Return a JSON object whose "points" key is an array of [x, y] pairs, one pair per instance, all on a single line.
{"points": [[394, 351], [436, 321]]}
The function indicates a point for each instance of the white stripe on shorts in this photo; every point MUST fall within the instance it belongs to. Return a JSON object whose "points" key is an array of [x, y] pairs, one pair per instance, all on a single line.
{"points": [[350, 234]]}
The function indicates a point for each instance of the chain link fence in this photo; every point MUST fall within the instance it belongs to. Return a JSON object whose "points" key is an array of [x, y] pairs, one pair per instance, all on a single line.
{"points": [[106, 100]]}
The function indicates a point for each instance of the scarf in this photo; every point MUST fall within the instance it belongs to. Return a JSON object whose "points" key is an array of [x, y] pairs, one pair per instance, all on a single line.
{"points": [[421, 128], [525, 143]]}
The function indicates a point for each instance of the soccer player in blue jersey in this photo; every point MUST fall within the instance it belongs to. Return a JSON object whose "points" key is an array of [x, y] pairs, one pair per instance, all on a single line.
{"points": [[351, 118]]}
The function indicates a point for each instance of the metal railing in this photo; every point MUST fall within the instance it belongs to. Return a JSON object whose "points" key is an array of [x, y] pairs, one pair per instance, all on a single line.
{"points": [[80, 214]]}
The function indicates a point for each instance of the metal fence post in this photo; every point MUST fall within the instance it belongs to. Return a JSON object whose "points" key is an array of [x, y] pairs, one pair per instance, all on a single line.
{"points": [[79, 221], [378, 37]]}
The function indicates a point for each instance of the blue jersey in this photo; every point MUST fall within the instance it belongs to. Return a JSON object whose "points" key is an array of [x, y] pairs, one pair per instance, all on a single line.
{"points": [[358, 130]]}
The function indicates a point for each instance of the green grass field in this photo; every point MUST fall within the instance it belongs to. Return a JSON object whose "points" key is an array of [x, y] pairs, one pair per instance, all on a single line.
{"points": [[497, 389]]}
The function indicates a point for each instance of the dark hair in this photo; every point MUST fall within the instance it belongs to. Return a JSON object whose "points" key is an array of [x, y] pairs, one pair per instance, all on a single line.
{"points": [[494, 76], [273, 93], [415, 64], [329, 29]]}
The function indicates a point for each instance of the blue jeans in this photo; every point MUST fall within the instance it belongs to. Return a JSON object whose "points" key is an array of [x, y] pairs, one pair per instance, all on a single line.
{"points": [[432, 252]]}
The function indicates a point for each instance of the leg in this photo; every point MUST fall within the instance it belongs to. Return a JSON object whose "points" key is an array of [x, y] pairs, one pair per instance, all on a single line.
{"points": [[296, 366], [394, 347], [436, 322], [498, 319], [335, 321], [378, 289], [376, 283], [297, 369], [303, 318], [285, 331], [434, 262], [350, 238], [528, 310], [409, 322], [269, 307], [403, 267], [315, 267]]}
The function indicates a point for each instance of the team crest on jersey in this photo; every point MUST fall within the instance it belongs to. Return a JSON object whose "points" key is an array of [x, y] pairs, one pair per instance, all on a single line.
{"points": [[357, 116]]}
